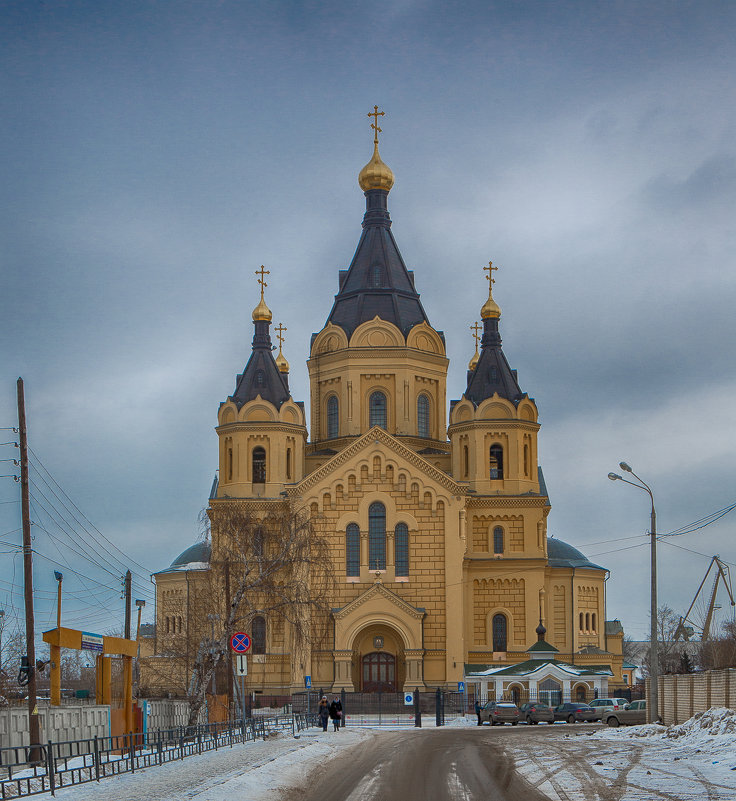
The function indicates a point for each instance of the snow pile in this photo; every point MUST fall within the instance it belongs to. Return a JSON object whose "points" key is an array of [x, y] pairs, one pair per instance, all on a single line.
{"points": [[716, 721]]}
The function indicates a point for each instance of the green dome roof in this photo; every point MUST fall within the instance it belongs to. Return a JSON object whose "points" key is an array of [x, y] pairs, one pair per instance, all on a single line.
{"points": [[197, 553], [560, 554]]}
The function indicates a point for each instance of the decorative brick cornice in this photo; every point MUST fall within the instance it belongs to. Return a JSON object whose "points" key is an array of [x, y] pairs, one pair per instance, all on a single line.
{"points": [[262, 425], [490, 423], [362, 443], [478, 502]]}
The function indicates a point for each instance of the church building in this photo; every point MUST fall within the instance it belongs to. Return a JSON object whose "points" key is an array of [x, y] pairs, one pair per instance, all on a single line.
{"points": [[435, 514]]}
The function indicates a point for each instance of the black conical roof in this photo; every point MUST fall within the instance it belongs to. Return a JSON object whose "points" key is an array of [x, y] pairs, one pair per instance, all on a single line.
{"points": [[492, 373], [261, 375], [377, 282]]}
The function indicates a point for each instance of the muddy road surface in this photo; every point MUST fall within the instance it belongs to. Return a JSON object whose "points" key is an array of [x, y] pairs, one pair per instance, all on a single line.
{"points": [[439, 765]]}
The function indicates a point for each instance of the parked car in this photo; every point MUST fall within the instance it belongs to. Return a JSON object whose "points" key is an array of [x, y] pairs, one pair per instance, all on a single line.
{"points": [[499, 712], [603, 705], [633, 714], [575, 712], [536, 711]]}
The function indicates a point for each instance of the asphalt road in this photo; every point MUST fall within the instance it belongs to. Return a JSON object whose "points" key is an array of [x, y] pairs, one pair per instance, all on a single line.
{"points": [[431, 765]]}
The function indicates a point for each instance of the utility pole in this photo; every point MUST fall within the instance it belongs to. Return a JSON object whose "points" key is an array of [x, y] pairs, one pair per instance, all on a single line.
{"points": [[128, 601], [34, 732], [128, 660]]}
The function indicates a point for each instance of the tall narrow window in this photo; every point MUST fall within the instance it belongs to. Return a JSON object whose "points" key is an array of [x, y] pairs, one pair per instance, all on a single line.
{"points": [[377, 410], [499, 633], [593, 626], [466, 462], [587, 622], [496, 462], [498, 540], [258, 633], [288, 464], [580, 626], [423, 416], [230, 463], [333, 417], [376, 276], [352, 550], [401, 549], [258, 542], [259, 465], [526, 461], [377, 537]]}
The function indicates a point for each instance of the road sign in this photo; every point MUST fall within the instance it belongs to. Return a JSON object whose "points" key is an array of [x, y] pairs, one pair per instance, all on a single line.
{"points": [[241, 664], [408, 699], [240, 642], [461, 686], [307, 682]]}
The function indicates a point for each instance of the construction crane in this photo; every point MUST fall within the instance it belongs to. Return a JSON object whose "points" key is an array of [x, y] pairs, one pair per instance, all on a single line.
{"points": [[686, 627]]}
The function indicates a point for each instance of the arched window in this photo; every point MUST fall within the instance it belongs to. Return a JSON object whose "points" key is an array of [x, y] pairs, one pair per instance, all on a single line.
{"points": [[499, 633], [333, 417], [377, 537], [258, 634], [352, 550], [401, 549], [229, 460], [288, 464], [377, 410], [526, 460], [582, 619], [593, 627], [466, 462], [179, 624], [587, 622], [259, 465], [496, 462], [423, 416], [498, 540], [259, 538], [580, 694]]}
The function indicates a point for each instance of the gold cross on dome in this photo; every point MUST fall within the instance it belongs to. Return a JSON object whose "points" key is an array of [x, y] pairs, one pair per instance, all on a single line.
{"points": [[475, 328], [490, 277], [262, 272], [376, 114], [280, 328]]}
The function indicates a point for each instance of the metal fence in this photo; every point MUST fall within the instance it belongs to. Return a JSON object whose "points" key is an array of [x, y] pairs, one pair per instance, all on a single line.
{"points": [[27, 771]]}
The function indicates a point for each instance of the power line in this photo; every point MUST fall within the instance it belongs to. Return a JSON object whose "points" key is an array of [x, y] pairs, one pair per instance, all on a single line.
{"points": [[702, 523]]}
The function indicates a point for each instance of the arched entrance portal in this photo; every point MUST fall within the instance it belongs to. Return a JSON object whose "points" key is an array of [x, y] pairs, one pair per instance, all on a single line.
{"points": [[379, 672]]}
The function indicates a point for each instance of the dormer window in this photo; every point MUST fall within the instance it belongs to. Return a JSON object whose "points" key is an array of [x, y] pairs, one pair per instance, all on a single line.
{"points": [[260, 378], [376, 276]]}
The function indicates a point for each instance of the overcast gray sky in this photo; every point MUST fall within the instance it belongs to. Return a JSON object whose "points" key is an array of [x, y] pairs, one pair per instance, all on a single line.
{"points": [[155, 154]]}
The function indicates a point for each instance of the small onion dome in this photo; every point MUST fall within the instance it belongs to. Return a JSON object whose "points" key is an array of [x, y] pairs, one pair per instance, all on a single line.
{"points": [[262, 312], [473, 363], [490, 308], [281, 363], [541, 630], [376, 174]]}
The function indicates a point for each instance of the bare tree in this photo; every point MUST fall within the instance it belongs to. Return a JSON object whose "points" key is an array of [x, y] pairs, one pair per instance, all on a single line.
{"points": [[719, 652], [671, 651], [274, 564]]}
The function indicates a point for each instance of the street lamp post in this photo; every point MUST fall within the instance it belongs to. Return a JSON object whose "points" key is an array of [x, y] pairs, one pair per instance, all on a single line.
{"points": [[653, 634]]}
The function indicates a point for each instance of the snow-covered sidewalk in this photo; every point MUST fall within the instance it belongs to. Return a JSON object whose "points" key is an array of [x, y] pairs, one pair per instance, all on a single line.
{"points": [[254, 771]]}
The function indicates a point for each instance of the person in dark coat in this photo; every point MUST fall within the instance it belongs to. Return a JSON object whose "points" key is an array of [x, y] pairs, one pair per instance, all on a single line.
{"points": [[336, 713], [324, 712], [477, 710]]}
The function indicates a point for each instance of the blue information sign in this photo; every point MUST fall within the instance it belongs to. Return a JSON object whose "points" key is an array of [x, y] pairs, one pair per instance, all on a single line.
{"points": [[461, 686], [307, 682]]}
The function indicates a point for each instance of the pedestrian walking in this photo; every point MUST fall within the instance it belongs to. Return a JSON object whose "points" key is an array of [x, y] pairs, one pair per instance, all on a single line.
{"points": [[336, 713], [477, 710], [324, 712]]}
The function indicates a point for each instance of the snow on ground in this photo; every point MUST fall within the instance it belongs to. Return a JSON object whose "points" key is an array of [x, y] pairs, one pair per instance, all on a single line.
{"points": [[255, 771]]}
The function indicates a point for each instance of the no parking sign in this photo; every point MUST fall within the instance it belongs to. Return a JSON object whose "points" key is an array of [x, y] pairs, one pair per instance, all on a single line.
{"points": [[240, 642]]}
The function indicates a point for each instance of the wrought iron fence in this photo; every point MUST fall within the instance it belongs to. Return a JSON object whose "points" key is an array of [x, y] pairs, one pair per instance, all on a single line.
{"points": [[28, 771]]}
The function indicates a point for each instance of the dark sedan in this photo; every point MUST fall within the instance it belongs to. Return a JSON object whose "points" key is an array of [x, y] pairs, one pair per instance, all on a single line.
{"points": [[536, 712], [575, 713]]}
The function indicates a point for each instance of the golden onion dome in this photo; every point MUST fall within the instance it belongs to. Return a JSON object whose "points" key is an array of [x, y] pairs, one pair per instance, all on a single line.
{"points": [[281, 363], [473, 363], [376, 174], [490, 308], [262, 312]]}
